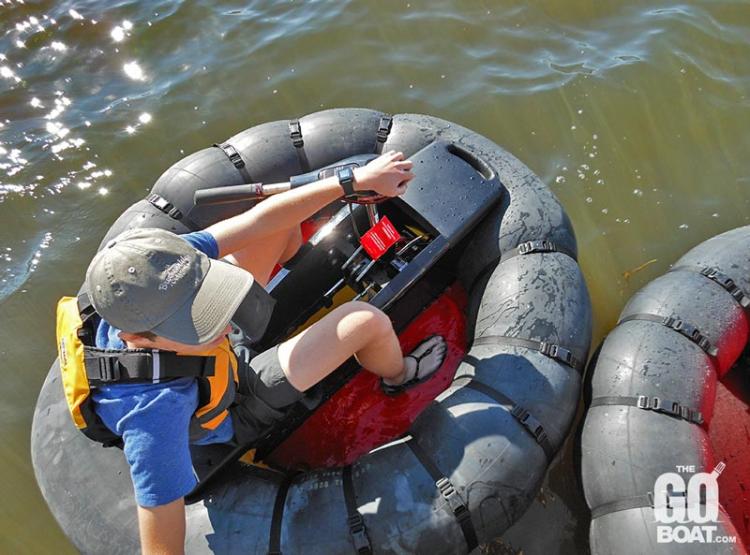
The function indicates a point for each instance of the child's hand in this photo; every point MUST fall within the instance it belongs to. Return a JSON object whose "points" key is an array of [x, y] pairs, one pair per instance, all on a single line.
{"points": [[388, 175]]}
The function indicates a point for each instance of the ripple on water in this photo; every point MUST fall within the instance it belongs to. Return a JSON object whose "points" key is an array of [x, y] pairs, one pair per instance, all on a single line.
{"points": [[17, 265]]}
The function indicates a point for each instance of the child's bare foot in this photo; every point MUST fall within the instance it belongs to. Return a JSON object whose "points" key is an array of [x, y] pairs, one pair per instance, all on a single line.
{"points": [[419, 365]]}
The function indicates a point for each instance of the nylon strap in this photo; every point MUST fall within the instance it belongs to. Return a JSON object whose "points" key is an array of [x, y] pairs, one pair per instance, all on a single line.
{"points": [[85, 306], [530, 247], [527, 247], [384, 129], [142, 365], [656, 404], [274, 540], [680, 326], [530, 423], [449, 493], [236, 160], [715, 275], [354, 519], [640, 502], [552, 350], [635, 502], [295, 133], [165, 206]]}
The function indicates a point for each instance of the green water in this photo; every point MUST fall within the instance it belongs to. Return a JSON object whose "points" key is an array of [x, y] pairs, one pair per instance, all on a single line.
{"points": [[634, 113]]}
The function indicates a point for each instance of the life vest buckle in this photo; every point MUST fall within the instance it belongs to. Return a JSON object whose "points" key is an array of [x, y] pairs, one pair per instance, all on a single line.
{"points": [[109, 370]]}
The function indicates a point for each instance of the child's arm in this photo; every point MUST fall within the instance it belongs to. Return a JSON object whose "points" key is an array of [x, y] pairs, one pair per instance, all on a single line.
{"points": [[163, 528], [386, 175]]}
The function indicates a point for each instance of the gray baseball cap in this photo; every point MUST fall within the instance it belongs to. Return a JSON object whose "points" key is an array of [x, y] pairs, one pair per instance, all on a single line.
{"points": [[153, 280]]}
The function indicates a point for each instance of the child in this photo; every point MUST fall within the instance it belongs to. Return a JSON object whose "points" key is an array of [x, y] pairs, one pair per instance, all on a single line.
{"points": [[156, 290]]}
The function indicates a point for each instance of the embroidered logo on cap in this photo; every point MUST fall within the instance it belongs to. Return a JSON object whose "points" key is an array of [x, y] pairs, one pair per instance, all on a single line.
{"points": [[174, 272]]}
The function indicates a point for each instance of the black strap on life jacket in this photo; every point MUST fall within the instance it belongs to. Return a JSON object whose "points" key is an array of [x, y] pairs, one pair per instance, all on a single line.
{"points": [[447, 490], [656, 404], [527, 420], [295, 133], [354, 519], [104, 366], [384, 129], [236, 159], [680, 326], [552, 350]]}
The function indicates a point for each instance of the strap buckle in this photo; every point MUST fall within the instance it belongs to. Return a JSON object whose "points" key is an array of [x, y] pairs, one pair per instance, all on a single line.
{"points": [[722, 279], [232, 154], [528, 421], [359, 533], [295, 132], [558, 353], [692, 333], [646, 403], [536, 246], [727, 283], [164, 205], [519, 413], [384, 128], [672, 408], [449, 493], [109, 369]]}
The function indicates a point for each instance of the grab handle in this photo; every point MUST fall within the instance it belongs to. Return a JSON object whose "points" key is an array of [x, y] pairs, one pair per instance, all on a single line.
{"points": [[481, 167]]}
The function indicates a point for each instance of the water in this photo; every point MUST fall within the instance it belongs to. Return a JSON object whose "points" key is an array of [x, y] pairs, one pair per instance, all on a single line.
{"points": [[635, 114]]}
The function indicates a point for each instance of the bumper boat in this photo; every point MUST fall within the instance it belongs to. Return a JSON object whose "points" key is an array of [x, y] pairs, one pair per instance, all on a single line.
{"points": [[665, 459], [485, 256]]}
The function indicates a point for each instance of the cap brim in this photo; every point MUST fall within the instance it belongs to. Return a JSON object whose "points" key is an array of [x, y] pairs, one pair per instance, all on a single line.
{"points": [[205, 315]]}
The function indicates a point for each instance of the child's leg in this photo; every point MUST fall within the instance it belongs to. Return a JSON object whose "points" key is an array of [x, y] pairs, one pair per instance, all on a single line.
{"points": [[260, 258], [354, 328]]}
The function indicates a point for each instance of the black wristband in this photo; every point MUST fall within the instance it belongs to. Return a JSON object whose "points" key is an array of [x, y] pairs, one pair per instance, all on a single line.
{"points": [[346, 180]]}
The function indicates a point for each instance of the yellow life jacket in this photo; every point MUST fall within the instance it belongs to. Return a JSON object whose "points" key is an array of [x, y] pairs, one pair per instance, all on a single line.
{"points": [[85, 367]]}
